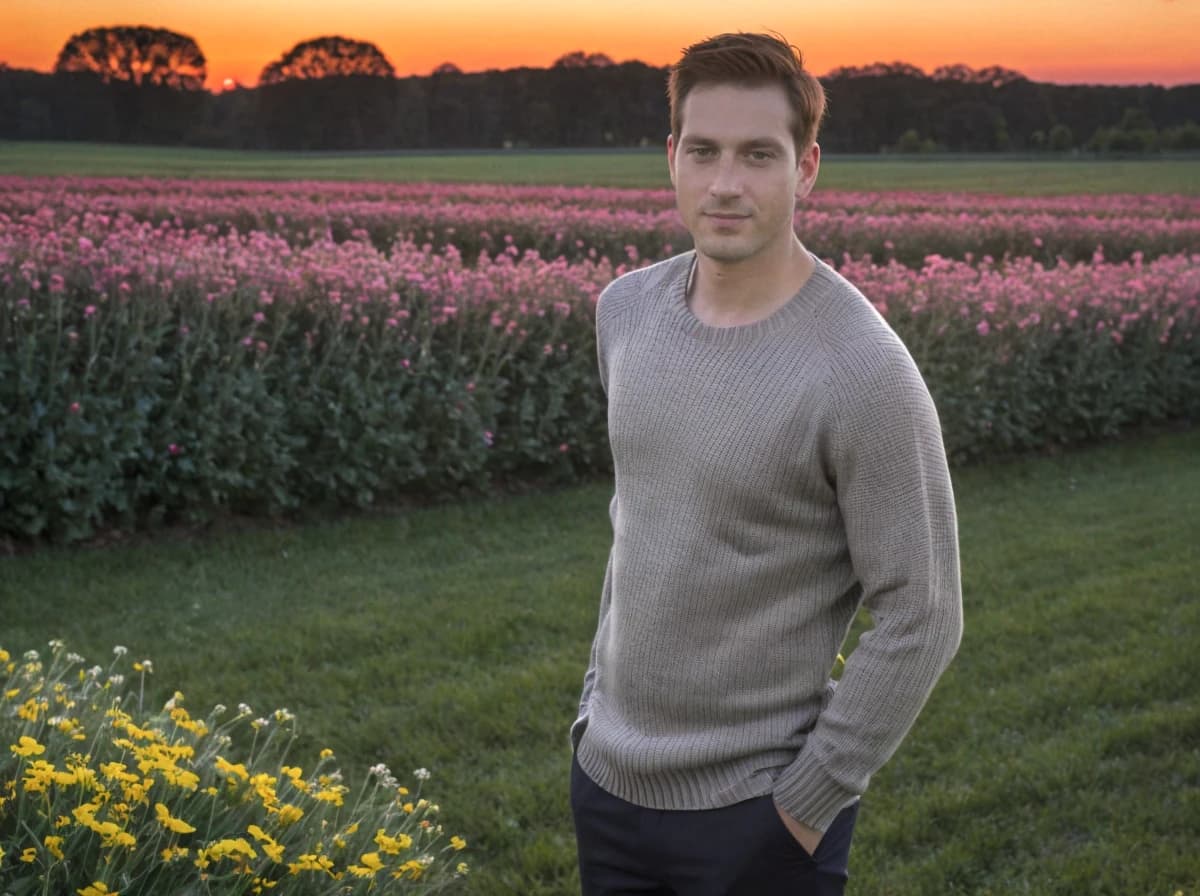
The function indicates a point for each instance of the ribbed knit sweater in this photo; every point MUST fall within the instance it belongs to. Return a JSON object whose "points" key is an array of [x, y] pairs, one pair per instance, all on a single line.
{"points": [[770, 480]]}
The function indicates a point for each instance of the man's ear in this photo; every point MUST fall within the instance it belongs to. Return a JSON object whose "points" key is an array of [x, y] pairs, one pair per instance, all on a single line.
{"points": [[671, 157], [807, 168]]}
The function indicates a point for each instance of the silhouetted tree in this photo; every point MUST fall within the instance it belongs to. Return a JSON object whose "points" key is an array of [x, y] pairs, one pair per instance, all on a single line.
{"points": [[582, 103], [135, 54], [876, 70], [994, 75], [326, 57], [580, 59], [447, 68]]}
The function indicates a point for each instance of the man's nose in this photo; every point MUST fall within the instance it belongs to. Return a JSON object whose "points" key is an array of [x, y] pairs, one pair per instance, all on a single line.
{"points": [[726, 179]]}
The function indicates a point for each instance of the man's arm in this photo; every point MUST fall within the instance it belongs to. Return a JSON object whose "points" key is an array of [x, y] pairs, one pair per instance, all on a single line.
{"points": [[897, 504]]}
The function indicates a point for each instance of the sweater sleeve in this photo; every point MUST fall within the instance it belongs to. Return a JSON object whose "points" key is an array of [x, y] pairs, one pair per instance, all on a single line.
{"points": [[895, 496], [589, 678]]}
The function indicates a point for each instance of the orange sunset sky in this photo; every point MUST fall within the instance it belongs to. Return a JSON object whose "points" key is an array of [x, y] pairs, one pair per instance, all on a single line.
{"points": [[1067, 41]]}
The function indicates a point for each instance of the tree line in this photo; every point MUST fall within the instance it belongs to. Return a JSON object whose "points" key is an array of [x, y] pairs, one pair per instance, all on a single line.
{"points": [[135, 84]]}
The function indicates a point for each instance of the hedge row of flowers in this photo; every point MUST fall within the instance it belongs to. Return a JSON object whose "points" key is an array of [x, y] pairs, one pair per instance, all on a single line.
{"points": [[621, 225], [18, 190], [151, 372], [100, 796]]}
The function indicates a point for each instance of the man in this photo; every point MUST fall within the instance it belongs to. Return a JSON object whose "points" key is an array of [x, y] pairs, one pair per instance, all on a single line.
{"points": [[778, 464]]}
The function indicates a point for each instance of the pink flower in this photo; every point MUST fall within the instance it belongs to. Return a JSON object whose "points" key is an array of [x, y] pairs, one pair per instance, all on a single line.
{"points": [[564, 448], [74, 408], [89, 310], [488, 438], [982, 328], [173, 449]]}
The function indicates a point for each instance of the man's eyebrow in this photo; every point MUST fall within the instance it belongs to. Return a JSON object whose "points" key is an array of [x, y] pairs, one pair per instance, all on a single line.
{"points": [[768, 142]]}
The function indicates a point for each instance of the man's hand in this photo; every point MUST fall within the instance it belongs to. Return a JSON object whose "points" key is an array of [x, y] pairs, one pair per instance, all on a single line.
{"points": [[809, 838]]}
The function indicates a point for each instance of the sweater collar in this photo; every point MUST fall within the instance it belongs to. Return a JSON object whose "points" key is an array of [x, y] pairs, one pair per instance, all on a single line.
{"points": [[793, 311]]}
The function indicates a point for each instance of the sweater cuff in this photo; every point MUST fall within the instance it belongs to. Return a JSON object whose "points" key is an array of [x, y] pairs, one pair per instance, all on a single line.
{"points": [[806, 792]]}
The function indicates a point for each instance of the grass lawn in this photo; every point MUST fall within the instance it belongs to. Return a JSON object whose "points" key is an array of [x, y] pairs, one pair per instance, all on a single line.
{"points": [[1059, 755], [601, 168]]}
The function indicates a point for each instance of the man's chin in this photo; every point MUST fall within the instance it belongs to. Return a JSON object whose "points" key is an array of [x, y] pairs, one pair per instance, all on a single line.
{"points": [[726, 252]]}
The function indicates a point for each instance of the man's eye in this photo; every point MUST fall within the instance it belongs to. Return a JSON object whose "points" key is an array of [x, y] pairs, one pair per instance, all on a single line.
{"points": [[701, 152], [761, 155]]}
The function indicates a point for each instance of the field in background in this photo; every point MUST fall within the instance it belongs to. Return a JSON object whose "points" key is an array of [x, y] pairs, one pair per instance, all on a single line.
{"points": [[1006, 175]]}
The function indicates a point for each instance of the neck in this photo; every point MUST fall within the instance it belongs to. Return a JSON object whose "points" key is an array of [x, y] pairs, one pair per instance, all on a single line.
{"points": [[737, 293]]}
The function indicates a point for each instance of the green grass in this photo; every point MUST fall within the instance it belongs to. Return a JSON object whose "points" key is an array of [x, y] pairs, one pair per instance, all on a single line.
{"points": [[599, 168], [1059, 755]]}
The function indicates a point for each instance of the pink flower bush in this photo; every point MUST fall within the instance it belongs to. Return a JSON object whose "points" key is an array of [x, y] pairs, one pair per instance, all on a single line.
{"points": [[173, 348], [623, 225]]}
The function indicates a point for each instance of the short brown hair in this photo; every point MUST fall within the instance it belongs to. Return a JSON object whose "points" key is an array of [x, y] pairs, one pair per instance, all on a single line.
{"points": [[750, 60]]}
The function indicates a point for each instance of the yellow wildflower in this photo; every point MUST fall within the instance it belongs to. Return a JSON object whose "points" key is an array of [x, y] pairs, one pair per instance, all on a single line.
{"points": [[31, 708], [392, 845], [412, 868], [38, 776], [53, 846], [99, 888], [371, 864], [289, 814], [230, 769], [171, 853], [462, 868], [312, 862], [227, 848], [458, 843], [29, 854], [27, 746], [264, 786], [117, 771], [330, 795], [269, 845], [295, 778], [153, 735], [177, 825], [327, 753], [183, 719]]}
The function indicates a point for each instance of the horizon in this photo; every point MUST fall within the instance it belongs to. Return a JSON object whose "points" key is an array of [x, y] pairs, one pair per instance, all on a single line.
{"points": [[1079, 42]]}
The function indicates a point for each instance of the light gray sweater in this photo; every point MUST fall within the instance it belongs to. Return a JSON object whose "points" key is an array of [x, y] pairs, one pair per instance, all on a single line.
{"points": [[770, 480]]}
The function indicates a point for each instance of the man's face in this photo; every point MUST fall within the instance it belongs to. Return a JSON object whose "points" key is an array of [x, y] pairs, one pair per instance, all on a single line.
{"points": [[735, 170]]}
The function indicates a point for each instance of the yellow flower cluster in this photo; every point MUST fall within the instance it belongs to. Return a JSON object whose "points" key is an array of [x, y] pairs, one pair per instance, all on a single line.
{"points": [[99, 798]]}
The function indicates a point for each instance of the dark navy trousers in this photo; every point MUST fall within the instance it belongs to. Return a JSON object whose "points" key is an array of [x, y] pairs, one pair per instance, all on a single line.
{"points": [[738, 850]]}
